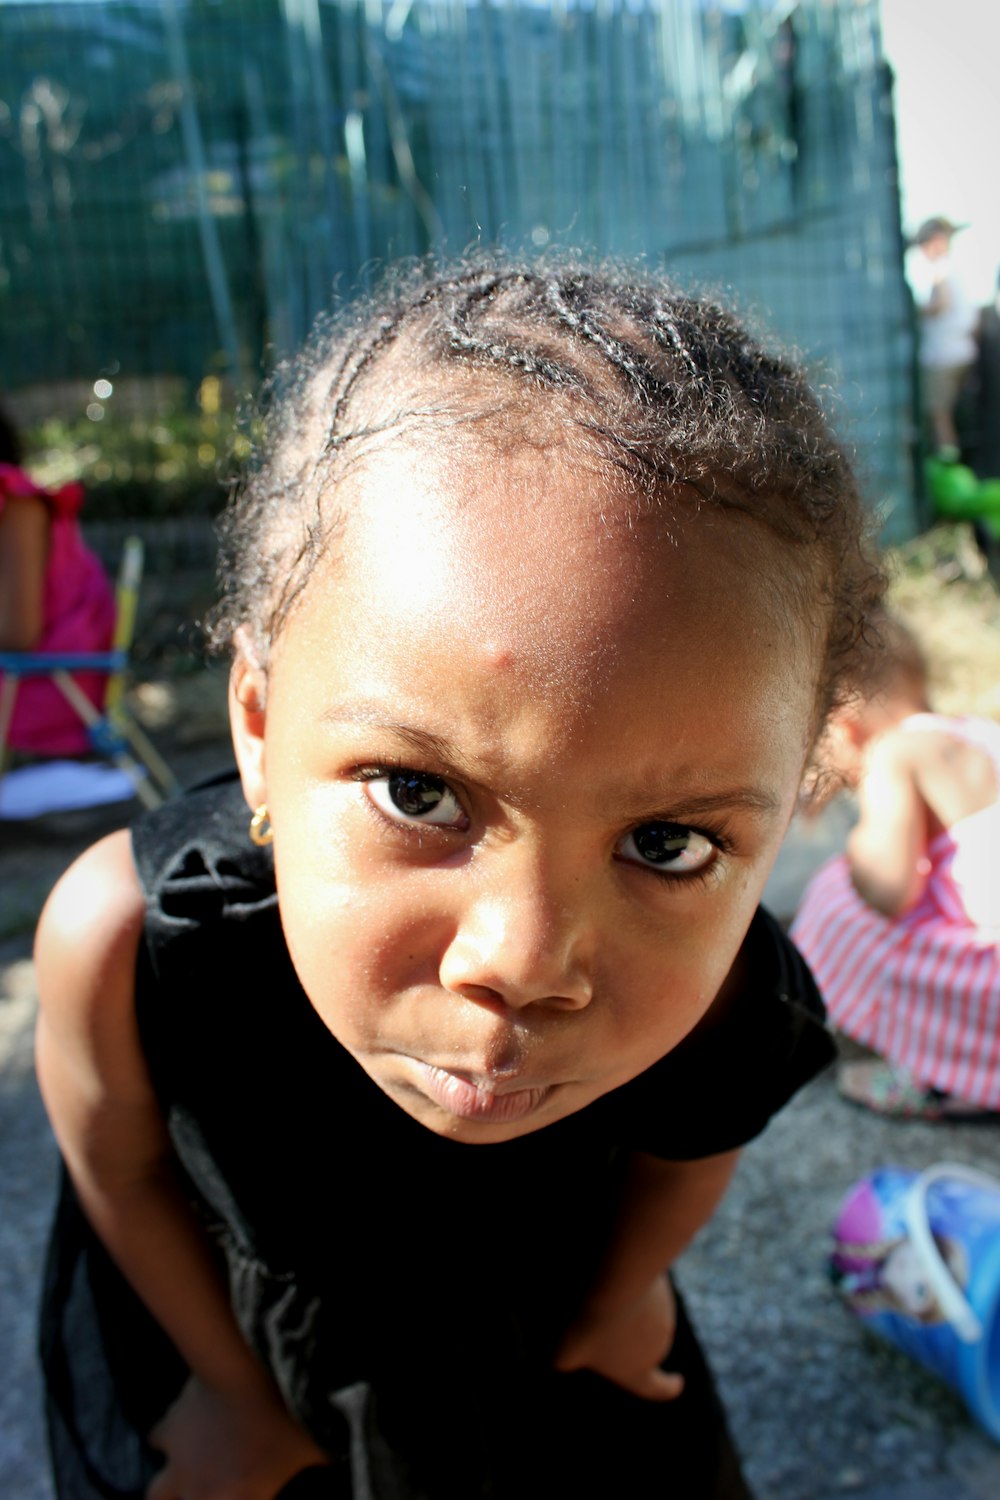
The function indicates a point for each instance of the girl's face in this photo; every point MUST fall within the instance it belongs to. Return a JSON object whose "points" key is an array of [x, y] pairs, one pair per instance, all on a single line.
{"points": [[528, 760]]}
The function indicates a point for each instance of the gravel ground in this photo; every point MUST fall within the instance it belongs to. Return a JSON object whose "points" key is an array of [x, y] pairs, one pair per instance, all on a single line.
{"points": [[819, 1409], [27, 1176]]}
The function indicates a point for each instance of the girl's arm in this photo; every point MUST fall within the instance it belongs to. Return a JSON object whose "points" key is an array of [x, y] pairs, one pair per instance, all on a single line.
{"points": [[229, 1425], [24, 548], [886, 848], [626, 1325]]}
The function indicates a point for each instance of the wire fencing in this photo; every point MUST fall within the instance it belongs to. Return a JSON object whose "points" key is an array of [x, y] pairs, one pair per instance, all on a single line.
{"points": [[183, 185]]}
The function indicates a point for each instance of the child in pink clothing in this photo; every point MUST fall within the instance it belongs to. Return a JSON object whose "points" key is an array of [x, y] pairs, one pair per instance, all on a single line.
{"points": [[54, 596], [902, 932]]}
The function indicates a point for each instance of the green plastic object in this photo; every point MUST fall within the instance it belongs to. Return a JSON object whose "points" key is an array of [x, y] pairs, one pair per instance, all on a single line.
{"points": [[989, 500], [954, 489]]}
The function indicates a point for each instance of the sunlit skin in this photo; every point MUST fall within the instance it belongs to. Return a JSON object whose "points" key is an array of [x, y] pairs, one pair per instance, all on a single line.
{"points": [[558, 677]]}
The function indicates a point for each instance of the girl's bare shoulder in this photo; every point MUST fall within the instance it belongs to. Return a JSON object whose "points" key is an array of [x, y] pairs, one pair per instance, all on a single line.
{"points": [[929, 744], [956, 776], [88, 934], [909, 747]]}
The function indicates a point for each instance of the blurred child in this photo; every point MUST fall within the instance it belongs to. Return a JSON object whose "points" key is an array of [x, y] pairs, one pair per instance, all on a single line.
{"points": [[903, 931], [54, 596], [385, 1116]]}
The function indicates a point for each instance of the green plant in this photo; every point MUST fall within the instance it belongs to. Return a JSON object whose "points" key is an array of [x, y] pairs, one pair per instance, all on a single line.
{"points": [[171, 463]]}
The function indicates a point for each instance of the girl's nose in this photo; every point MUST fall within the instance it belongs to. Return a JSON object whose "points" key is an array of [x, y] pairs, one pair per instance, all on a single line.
{"points": [[496, 956], [517, 945], [520, 942]]}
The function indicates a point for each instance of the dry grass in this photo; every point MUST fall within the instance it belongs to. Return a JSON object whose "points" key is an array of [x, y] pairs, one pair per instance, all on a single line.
{"points": [[942, 589]]}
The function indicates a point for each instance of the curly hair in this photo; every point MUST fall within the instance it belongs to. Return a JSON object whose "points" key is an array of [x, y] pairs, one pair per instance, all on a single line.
{"points": [[669, 390]]}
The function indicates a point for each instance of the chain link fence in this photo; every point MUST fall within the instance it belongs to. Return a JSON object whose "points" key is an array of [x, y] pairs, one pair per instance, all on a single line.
{"points": [[184, 185]]}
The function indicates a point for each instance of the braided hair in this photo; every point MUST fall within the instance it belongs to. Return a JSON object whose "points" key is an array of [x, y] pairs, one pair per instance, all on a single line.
{"points": [[671, 391]]}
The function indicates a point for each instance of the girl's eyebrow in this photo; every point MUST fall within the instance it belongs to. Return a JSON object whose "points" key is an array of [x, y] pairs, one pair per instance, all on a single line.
{"points": [[753, 799], [680, 804], [686, 805], [424, 741]]}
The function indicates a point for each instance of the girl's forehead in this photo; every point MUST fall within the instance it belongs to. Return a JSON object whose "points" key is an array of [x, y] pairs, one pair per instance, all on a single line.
{"points": [[484, 530], [547, 504], [553, 561], [523, 615]]}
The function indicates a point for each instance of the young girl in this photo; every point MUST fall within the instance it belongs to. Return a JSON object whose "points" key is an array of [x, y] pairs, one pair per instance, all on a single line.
{"points": [[903, 932], [384, 1117]]}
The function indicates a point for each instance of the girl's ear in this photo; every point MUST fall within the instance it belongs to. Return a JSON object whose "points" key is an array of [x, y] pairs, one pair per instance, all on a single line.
{"points": [[248, 715], [853, 728]]}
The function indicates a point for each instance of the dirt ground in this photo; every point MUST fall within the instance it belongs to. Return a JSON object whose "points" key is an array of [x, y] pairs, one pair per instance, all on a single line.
{"points": [[942, 588]]}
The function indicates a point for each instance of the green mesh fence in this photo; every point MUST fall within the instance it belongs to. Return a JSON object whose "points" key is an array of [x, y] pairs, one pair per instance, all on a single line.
{"points": [[182, 185]]}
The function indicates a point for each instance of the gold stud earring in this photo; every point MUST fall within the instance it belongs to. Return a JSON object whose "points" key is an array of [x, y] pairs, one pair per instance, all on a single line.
{"points": [[261, 832]]}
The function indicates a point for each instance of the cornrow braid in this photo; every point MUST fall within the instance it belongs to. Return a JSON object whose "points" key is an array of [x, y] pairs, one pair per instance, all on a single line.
{"points": [[671, 389], [501, 349], [570, 308]]}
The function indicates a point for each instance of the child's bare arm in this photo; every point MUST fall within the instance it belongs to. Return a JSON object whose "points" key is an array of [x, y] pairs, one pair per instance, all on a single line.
{"points": [[24, 544], [626, 1326], [886, 847], [230, 1421]]}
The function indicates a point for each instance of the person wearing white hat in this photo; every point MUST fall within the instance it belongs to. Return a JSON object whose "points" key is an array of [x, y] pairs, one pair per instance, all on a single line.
{"points": [[947, 328]]}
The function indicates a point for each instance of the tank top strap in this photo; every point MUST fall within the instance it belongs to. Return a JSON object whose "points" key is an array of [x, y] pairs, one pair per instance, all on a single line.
{"points": [[196, 863]]}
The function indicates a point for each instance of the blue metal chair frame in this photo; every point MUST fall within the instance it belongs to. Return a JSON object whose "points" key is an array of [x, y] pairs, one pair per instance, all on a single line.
{"points": [[113, 731]]}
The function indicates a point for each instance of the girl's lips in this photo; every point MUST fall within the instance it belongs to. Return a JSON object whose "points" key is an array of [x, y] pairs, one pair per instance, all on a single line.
{"points": [[467, 1100]]}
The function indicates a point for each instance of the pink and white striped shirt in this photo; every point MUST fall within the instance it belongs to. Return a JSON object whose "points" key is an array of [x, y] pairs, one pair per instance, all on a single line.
{"points": [[923, 989]]}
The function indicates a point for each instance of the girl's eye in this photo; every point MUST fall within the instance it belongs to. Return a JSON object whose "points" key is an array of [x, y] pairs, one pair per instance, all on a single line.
{"points": [[406, 796], [669, 847]]}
